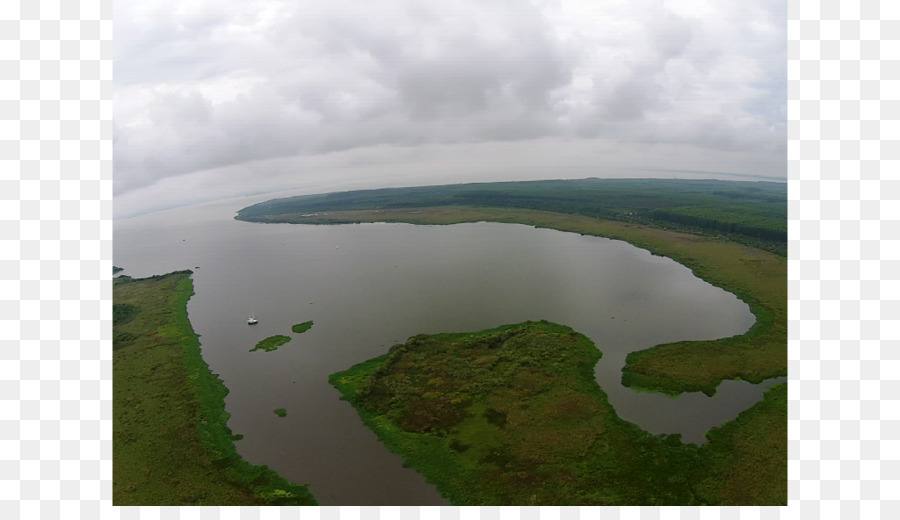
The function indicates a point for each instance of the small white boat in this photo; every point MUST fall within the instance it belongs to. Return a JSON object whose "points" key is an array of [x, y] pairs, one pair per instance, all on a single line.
{"points": [[252, 320]]}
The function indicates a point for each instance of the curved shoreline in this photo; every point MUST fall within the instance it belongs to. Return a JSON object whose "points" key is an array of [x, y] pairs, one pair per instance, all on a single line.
{"points": [[756, 277], [744, 460]]}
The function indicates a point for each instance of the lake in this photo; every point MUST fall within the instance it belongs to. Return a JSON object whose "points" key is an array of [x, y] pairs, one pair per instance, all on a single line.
{"points": [[369, 286]]}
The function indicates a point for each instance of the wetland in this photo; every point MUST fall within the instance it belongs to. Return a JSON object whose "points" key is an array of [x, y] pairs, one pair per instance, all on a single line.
{"points": [[370, 286]]}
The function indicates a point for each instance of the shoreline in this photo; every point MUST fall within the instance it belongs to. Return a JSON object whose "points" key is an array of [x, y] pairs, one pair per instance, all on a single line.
{"points": [[171, 441], [756, 277]]}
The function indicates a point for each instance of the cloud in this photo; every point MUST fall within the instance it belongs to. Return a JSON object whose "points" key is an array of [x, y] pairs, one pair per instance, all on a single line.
{"points": [[206, 86]]}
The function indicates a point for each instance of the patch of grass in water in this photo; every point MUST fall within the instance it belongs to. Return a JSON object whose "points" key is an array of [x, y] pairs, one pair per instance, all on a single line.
{"points": [[281, 412], [302, 327], [271, 343]]}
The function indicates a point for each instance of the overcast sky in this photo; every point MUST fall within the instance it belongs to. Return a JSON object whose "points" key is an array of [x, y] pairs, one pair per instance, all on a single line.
{"points": [[222, 98]]}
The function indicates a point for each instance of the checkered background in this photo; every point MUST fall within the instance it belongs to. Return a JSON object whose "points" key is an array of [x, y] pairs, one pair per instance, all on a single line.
{"points": [[56, 259]]}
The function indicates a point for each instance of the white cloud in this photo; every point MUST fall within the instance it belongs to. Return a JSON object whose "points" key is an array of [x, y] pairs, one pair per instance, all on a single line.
{"points": [[206, 86]]}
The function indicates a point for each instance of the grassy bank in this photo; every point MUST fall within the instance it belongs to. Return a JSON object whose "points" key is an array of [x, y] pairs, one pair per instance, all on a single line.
{"points": [[752, 213], [171, 442], [514, 416], [757, 277]]}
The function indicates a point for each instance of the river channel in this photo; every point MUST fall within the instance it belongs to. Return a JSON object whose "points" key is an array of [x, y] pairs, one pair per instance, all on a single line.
{"points": [[369, 286]]}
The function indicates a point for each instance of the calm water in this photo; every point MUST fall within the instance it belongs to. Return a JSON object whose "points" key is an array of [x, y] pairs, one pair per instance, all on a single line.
{"points": [[370, 286]]}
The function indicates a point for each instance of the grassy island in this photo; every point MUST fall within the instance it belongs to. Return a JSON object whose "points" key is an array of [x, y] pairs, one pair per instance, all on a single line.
{"points": [[171, 442], [281, 412], [514, 416], [271, 343], [300, 328]]}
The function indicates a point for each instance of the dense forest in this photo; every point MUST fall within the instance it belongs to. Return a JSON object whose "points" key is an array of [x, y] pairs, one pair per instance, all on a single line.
{"points": [[753, 213]]}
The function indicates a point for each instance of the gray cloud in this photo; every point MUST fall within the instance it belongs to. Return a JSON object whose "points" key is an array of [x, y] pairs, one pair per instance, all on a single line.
{"points": [[202, 85]]}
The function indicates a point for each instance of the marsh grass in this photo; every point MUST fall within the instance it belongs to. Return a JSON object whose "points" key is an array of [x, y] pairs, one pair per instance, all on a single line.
{"points": [[753, 213], [514, 416], [171, 442], [300, 328], [271, 343]]}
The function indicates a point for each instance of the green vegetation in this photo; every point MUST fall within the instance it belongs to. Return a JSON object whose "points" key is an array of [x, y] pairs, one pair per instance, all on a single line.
{"points": [[752, 213], [731, 234], [745, 459], [124, 312], [281, 412], [514, 416], [117, 269], [171, 442], [271, 343], [300, 328]]}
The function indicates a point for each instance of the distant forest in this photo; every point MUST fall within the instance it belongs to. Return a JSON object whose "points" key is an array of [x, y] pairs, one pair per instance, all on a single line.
{"points": [[753, 213]]}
